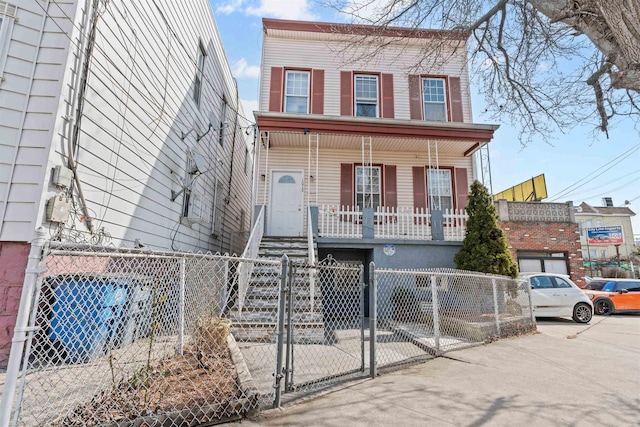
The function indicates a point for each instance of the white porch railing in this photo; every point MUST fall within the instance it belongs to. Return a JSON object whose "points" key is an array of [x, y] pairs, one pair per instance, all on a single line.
{"points": [[455, 223], [345, 222], [403, 223], [245, 268]]}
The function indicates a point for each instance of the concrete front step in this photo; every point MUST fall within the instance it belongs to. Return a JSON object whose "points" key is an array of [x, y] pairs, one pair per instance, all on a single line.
{"points": [[299, 305], [272, 317], [268, 333], [298, 293]]}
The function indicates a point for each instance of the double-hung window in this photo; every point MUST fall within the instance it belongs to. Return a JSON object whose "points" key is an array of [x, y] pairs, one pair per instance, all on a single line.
{"points": [[7, 17], [368, 186], [296, 92], [197, 86], [434, 99], [366, 96], [440, 189]]}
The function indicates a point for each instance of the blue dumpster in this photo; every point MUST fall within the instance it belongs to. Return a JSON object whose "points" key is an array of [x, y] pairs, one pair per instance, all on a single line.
{"points": [[136, 317], [85, 315]]}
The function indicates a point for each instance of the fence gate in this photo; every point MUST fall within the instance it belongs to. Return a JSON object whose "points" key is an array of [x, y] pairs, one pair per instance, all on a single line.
{"points": [[323, 325]]}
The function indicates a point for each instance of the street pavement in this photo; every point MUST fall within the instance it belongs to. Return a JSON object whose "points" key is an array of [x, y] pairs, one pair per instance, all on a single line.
{"points": [[567, 374]]}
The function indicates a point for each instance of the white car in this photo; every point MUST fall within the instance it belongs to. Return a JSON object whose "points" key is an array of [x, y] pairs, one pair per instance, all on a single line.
{"points": [[555, 295]]}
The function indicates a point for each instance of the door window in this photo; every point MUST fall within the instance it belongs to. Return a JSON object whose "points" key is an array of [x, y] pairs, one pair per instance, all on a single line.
{"points": [[561, 283]]}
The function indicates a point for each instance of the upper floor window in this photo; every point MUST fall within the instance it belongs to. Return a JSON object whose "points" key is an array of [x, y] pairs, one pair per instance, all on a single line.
{"points": [[197, 86], [7, 17], [366, 96], [368, 186], [296, 92], [440, 189], [434, 99]]}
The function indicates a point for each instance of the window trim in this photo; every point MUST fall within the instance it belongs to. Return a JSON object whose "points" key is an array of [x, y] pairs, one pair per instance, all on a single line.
{"points": [[454, 192], [8, 15], [199, 79], [447, 96], [284, 89], [355, 98], [380, 166]]}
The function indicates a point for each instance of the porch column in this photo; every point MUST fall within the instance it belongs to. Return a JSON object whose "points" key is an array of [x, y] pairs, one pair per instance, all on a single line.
{"points": [[367, 223], [437, 229]]}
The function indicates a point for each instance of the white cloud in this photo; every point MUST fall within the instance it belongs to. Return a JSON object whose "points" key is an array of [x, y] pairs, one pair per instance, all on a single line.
{"points": [[230, 7], [249, 106], [242, 69], [283, 9]]}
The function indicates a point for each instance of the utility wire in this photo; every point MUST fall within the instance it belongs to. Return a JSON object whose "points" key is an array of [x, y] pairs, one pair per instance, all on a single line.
{"points": [[588, 178]]}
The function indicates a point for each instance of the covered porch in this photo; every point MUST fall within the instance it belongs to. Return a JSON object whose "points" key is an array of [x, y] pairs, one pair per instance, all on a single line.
{"points": [[362, 178]]}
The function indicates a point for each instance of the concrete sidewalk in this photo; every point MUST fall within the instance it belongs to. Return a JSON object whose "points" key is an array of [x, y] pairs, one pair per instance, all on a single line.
{"points": [[568, 374]]}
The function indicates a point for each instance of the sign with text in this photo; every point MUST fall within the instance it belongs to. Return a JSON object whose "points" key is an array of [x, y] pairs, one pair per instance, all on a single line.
{"points": [[611, 235]]}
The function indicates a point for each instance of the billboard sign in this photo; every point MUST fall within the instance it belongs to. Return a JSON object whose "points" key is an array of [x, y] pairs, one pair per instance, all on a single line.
{"points": [[611, 235]]}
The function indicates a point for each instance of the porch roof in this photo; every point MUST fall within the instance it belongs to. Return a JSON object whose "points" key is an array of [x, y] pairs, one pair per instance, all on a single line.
{"points": [[287, 129]]}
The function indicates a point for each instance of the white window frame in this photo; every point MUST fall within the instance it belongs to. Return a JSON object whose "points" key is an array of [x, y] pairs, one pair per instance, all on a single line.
{"points": [[7, 18], [368, 188], [199, 80], [288, 95], [436, 191], [426, 102], [366, 101]]}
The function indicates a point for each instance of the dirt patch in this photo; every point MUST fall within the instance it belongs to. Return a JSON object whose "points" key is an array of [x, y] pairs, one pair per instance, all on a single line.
{"points": [[199, 386]]}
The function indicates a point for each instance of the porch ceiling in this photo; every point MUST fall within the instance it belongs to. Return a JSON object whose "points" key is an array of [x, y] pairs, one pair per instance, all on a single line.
{"points": [[292, 130]]}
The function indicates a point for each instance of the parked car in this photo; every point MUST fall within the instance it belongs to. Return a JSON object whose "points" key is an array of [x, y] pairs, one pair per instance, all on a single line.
{"points": [[555, 295], [614, 295]]}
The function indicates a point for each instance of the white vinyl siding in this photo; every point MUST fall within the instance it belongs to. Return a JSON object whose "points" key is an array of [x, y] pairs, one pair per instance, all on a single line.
{"points": [[139, 103], [315, 53], [328, 177]]}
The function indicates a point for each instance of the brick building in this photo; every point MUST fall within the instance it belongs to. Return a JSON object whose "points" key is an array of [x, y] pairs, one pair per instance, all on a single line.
{"points": [[543, 237]]}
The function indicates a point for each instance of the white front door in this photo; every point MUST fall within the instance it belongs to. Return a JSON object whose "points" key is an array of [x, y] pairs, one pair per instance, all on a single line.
{"points": [[285, 212]]}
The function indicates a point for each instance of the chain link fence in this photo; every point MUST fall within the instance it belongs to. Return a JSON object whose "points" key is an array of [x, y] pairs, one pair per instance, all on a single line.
{"points": [[121, 335], [324, 336], [124, 337], [428, 313]]}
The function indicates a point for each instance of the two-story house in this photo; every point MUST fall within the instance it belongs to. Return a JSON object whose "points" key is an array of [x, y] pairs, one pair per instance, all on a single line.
{"points": [[593, 217], [120, 124], [368, 148]]}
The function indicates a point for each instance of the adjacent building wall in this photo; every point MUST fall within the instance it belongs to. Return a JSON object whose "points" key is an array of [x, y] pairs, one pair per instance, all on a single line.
{"points": [[139, 122], [544, 228]]}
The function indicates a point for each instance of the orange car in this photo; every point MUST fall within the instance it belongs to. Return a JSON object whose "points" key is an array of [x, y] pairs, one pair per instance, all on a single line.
{"points": [[614, 295]]}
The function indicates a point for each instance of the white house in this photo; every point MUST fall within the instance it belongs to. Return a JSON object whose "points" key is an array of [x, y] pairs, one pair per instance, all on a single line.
{"points": [[120, 124], [370, 146]]}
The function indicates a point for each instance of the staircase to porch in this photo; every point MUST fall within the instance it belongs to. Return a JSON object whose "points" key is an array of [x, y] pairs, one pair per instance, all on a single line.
{"points": [[258, 321]]}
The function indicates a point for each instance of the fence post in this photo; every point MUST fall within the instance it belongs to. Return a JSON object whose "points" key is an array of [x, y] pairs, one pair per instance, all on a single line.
{"points": [[372, 319], [495, 305], [22, 325], [436, 314], [183, 262], [288, 363], [280, 343], [362, 326]]}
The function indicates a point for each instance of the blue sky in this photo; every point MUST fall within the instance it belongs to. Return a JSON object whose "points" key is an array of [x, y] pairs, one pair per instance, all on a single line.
{"points": [[578, 165]]}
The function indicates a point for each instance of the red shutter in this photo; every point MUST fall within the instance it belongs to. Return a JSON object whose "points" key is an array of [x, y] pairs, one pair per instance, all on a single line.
{"points": [[390, 187], [317, 92], [415, 101], [455, 95], [387, 96], [462, 188], [346, 93], [419, 188], [275, 89], [346, 185]]}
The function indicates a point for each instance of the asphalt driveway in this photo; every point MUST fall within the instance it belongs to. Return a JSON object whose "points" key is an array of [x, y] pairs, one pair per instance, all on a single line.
{"points": [[565, 375]]}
